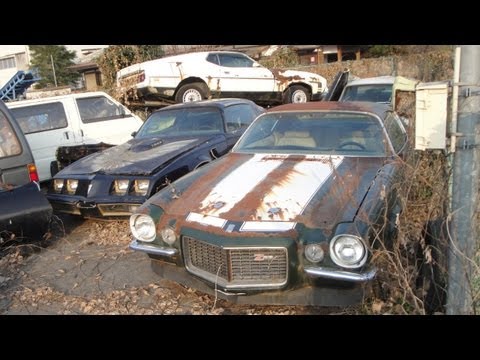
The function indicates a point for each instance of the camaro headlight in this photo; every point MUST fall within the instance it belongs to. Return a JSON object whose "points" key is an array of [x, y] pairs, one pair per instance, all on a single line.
{"points": [[314, 253], [168, 235], [142, 227], [72, 185], [348, 251], [120, 187], [141, 186], [57, 185]]}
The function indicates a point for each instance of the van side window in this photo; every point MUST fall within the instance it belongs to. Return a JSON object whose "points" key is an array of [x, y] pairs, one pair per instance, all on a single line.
{"points": [[98, 108], [42, 117], [9, 144]]}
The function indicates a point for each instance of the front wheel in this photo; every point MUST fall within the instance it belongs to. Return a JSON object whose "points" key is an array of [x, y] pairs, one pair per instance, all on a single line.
{"points": [[191, 92], [296, 94]]}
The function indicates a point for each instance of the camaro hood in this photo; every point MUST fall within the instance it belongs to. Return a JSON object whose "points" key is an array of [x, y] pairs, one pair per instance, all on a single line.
{"points": [[277, 190], [135, 157]]}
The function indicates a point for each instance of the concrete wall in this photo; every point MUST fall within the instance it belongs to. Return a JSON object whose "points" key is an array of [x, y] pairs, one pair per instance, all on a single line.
{"points": [[430, 66]]}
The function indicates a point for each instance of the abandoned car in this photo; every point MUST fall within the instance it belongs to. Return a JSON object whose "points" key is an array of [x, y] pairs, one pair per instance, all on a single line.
{"points": [[200, 75], [380, 89], [24, 210], [289, 215], [172, 142]]}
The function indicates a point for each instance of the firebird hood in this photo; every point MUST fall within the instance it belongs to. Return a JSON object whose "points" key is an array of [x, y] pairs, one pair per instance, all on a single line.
{"points": [[277, 190], [135, 157]]}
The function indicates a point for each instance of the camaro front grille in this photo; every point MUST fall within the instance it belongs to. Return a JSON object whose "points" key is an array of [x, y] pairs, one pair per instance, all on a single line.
{"points": [[239, 267]]}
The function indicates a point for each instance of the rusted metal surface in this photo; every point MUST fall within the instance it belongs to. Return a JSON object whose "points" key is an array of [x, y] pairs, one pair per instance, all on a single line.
{"points": [[279, 75], [317, 193]]}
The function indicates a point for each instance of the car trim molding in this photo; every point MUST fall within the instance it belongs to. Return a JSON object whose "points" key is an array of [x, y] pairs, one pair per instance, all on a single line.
{"points": [[341, 274], [151, 249]]}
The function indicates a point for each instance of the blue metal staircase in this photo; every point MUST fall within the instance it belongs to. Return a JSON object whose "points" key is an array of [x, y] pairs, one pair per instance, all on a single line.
{"points": [[17, 85]]}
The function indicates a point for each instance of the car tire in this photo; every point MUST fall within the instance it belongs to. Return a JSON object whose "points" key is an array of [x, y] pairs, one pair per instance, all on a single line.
{"points": [[191, 92], [432, 275], [296, 94]]}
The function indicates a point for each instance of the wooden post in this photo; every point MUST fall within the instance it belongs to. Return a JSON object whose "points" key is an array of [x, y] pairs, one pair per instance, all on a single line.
{"points": [[339, 53]]}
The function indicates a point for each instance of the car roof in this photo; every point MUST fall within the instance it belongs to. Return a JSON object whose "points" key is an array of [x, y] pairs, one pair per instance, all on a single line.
{"points": [[361, 106], [373, 80], [19, 103], [220, 103]]}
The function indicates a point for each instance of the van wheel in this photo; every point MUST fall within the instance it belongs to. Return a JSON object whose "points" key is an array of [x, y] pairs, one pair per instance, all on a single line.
{"points": [[296, 94], [191, 92]]}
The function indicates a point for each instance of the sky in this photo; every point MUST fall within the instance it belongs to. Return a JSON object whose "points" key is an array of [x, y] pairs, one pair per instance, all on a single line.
{"points": [[12, 49]]}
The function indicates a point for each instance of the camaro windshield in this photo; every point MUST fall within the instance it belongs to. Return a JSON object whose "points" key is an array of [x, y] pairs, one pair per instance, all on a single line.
{"points": [[332, 132], [183, 122]]}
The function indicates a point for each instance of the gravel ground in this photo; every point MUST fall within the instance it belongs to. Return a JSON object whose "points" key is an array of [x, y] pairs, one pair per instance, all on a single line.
{"points": [[85, 267]]}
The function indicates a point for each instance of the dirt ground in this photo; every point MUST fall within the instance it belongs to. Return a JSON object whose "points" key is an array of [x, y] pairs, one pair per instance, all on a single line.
{"points": [[85, 267]]}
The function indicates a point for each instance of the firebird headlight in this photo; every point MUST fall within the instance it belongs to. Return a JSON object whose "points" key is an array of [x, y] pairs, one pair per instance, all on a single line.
{"points": [[142, 227], [314, 253], [168, 235], [72, 186], [57, 185], [120, 187], [141, 186], [348, 251]]}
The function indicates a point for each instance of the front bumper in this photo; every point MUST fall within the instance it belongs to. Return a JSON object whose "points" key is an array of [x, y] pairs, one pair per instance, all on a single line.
{"points": [[25, 211], [307, 295], [328, 288], [92, 209]]}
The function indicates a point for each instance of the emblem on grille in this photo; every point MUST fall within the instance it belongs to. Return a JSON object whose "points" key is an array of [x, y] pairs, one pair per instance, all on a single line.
{"points": [[262, 257]]}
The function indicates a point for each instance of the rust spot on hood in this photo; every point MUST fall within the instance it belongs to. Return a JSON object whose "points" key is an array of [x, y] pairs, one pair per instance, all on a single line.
{"points": [[195, 193], [247, 207]]}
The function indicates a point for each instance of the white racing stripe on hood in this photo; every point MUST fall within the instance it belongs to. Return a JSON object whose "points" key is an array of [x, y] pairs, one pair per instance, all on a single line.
{"points": [[239, 183], [290, 198]]}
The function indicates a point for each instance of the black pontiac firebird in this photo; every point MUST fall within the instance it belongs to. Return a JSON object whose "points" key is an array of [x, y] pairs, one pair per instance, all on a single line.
{"points": [[172, 142]]}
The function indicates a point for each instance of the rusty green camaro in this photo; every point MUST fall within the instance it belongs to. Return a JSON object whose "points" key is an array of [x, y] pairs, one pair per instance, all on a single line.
{"points": [[290, 215]]}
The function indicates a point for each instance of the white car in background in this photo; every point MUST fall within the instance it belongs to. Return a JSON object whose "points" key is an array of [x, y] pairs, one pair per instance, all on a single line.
{"points": [[212, 74]]}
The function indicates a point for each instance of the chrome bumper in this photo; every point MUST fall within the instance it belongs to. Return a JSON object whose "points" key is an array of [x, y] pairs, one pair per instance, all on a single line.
{"points": [[150, 249], [340, 274]]}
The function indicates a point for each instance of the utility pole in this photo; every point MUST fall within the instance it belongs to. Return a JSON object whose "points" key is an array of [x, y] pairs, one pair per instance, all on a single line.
{"points": [[466, 146], [53, 68]]}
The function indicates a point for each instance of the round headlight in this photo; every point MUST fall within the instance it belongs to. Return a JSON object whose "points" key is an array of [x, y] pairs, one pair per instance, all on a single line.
{"points": [[142, 227], [314, 253], [348, 251], [168, 235]]}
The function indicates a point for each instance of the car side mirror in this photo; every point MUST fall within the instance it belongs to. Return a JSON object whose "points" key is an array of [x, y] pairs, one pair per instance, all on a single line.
{"points": [[133, 134]]}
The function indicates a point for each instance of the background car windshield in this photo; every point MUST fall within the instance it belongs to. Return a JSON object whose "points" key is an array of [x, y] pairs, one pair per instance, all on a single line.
{"points": [[373, 93], [342, 133], [183, 122]]}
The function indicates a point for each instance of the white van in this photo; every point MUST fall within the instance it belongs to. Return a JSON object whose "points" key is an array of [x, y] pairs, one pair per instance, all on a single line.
{"points": [[70, 120]]}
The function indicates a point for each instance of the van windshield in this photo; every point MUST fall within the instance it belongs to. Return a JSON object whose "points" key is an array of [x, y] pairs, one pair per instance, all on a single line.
{"points": [[9, 144]]}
